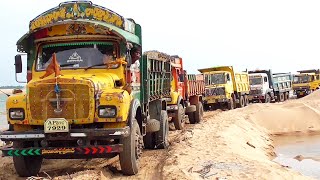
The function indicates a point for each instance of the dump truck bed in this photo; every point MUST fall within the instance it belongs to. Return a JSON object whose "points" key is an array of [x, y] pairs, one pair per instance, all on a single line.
{"points": [[241, 82], [282, 82]]}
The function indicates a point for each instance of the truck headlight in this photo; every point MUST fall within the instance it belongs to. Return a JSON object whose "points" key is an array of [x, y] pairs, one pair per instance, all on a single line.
{"points": [[16, 113], [107, 111]]}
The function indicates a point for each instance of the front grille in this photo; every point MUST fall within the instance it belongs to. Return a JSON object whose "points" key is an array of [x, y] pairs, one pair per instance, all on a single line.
{"points": [[215, 91], [74, 101], [255, 91]]}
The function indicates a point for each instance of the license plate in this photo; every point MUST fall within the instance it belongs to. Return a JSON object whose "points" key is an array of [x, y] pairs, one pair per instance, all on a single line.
{"points": [[301, 93], [55, 125]]}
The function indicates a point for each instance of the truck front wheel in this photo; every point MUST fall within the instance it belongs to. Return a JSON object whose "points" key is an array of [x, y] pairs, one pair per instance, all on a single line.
{"points": [[178, 119], [132, 150], [26, 166], [231, 104]]}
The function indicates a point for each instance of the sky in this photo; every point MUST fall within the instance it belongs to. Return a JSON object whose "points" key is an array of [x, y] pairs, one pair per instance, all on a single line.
{"points": [[282, 35]]}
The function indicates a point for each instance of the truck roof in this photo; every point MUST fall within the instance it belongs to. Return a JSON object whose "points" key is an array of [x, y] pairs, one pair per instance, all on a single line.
{"points": [[218, 68], [258, 74], [317, 71]]}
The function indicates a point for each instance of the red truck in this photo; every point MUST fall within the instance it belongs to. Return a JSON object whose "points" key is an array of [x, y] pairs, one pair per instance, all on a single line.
{"points": [[186, 95]]}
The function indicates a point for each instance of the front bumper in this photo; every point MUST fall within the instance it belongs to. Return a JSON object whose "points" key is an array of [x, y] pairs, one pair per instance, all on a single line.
{"points": [[58, 152], [73, 134], [216, 99], [256, 97], [62, 152]]}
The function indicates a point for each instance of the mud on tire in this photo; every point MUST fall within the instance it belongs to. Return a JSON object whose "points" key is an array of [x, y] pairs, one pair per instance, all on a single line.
{"points": [[199, 113], [178, 120], [132, 150], [162, 136]]}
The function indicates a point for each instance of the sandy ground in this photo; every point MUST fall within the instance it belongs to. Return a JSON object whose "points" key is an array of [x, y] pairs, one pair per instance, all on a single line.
{"points": [[233, 144]]}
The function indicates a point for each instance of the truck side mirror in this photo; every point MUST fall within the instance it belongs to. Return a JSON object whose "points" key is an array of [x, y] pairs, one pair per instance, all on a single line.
{"points": [[18, 63]]}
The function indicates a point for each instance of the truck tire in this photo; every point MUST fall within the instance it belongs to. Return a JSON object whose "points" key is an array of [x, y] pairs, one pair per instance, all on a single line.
{"points": [[246, 100], [231, 104], [191, 118], [149, 141], [281, 97], [162, 135], [26, 166], [191, 109], [132, 150], [268, 99], [153, 125], [286, 96], [199, 113], [241, 102], [178, 119]]}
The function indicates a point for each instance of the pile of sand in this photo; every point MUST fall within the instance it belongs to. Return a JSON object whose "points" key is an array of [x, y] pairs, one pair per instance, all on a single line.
{"points": [[291, 117], [227, 146]]}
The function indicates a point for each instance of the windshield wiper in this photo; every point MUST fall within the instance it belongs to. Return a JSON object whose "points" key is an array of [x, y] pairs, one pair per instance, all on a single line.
{"points": [[101, 64]]}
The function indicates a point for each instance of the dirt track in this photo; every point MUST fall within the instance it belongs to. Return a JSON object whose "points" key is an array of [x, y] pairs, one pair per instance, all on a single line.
{"points": [[151, 164]]}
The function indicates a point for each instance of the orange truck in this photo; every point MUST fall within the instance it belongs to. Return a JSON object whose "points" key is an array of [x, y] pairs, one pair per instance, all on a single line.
{"points": [[186, 95]]}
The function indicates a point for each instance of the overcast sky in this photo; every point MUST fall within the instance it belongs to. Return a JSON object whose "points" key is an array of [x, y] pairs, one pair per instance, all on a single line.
{"points": [[283, 35]]}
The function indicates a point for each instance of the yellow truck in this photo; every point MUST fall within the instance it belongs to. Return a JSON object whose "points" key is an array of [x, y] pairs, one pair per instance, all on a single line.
{"points": [[90, 93], [306, 82], [223, 86]]}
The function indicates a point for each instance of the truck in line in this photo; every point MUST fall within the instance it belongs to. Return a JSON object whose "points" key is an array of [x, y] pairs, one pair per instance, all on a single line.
{"points": [[87, 97], [306, 82], [186, 95], [224, 86], [266, 87]]}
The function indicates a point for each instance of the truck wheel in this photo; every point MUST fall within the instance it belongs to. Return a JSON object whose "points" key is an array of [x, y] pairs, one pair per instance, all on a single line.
{"points": [[149, 141], [199, 113], [163, 135], [241, 102], [178, 120], [246, 100], [268, 99], [286, 96], [231, 104], [191, 117], [26, 166], [132, 150], [281, 97]]}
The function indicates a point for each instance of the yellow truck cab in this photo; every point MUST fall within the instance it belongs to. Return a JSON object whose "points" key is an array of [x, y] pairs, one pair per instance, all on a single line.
{"points": [[224, 86], [306, 82], [90, 94]]}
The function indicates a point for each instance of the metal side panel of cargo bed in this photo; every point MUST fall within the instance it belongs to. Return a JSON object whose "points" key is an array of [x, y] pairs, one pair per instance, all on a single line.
{"points": [[156, 76], [282, 82], [195, 84]]}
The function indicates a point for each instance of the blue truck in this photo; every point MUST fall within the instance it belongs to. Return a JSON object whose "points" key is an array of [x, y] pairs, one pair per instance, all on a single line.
{"points": [[266, 86]]}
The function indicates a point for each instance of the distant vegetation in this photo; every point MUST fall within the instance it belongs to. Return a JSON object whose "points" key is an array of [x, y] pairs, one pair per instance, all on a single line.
{"points": [[11, 87]]}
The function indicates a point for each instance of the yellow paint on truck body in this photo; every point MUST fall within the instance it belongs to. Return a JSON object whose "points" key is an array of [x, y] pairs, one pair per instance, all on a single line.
{"points": [[40, 96], [238, 83]]}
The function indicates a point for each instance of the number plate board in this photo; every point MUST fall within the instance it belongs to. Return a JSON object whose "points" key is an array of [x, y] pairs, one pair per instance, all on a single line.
{"points": [[54, 125]]}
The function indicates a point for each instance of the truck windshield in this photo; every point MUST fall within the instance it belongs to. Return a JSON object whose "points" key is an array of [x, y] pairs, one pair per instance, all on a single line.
{"points": [[77, 55], [301, 79], [255, 80], [218, 78]]}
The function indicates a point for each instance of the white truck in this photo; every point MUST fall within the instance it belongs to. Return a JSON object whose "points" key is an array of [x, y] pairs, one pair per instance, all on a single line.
{"points": [[266, 87]]}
